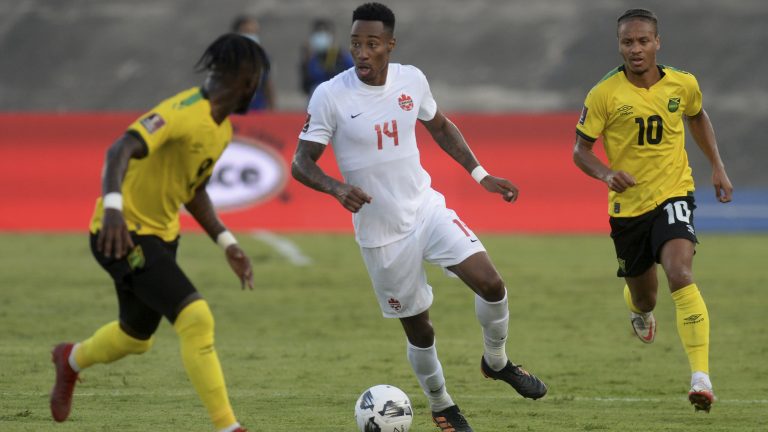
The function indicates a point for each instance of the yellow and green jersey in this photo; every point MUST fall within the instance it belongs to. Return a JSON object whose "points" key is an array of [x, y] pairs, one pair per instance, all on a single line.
{"points": [[643, 134], [184, 143]]}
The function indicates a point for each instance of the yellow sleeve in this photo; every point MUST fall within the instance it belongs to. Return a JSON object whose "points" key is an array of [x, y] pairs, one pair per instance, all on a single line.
{"points": [[694, 96], [155, 127], [593, 117]]}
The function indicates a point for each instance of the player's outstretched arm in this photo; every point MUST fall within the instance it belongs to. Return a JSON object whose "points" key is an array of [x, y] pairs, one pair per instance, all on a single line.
{"points": [[704, 135], [113, 239], [449, 138], [587, 161], [201, 208], [304, 168]]}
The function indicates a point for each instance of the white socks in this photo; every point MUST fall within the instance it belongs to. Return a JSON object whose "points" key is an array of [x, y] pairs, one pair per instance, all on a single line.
{"points": [[701, 377], [72, 362], [429, 372], [494, 318]]}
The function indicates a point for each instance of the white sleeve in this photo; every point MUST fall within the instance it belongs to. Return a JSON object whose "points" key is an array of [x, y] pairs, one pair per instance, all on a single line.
{"points": [[428, 106], [321, 117]]}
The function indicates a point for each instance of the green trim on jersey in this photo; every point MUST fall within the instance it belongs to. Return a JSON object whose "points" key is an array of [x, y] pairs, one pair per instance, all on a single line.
{"points": [[611, 73], [643, 131], [191, 100], [183, 144]]}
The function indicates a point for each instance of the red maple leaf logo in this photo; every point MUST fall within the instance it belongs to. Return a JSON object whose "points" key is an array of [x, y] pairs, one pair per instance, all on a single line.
{"points": [[405, 101]]}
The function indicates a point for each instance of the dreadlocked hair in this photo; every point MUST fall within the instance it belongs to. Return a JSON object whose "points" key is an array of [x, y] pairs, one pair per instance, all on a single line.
{"points": [[232, 52]]}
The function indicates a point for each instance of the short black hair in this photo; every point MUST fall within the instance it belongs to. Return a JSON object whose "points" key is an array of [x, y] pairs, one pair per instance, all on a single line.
{"points": [[230, 53], [643, 14], [375, 12]]}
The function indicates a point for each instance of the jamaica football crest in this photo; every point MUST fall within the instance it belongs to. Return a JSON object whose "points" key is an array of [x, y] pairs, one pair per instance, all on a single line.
{"points": [[674, 104]]}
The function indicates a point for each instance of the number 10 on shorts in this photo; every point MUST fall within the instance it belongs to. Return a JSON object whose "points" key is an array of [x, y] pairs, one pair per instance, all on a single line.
{"points": [[678, 210]]}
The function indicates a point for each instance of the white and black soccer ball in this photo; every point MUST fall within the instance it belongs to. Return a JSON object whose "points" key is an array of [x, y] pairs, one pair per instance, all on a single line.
{"points": [[383, 408]]}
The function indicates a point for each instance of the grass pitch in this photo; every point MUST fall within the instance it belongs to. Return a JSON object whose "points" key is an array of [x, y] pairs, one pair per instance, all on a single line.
{"points": [[300, 348]]}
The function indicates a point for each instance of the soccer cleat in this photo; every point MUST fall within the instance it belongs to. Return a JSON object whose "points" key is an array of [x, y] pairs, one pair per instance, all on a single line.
{"points": [[644, 325], [525, 383], [701, 396], [451, 420], [61, 394]]}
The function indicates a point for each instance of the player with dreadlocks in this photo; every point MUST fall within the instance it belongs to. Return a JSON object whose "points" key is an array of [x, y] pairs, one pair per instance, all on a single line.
{"points": [[161, 162]]}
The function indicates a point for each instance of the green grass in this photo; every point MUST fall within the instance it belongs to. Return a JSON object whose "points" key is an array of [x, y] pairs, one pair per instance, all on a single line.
{"points": [[299, 349]]}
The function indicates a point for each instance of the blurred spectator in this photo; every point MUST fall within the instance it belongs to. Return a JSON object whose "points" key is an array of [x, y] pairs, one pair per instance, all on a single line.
{"points": [[322, 57], [265, 98]]}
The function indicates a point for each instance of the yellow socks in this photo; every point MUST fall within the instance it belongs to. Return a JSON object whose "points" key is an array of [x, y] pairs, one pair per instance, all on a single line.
{"points": [[194, 326], [693, 326], [628, 300], [108, 344]]}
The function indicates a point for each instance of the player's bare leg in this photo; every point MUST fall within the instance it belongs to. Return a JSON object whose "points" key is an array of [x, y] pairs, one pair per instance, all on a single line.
{"points": [[692, 318], [640, 296]]}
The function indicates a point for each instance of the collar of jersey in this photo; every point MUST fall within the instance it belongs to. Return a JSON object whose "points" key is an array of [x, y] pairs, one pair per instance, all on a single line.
{"points": [[374, 89]]}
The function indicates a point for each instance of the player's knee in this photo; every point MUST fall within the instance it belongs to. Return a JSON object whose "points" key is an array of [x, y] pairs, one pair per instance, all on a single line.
{"points": [[679, 277], [195, 321], [491, 287]]}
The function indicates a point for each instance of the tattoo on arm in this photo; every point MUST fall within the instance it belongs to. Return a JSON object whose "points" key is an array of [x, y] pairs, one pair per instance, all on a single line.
{"points": [[304, 167], [449, 138]]}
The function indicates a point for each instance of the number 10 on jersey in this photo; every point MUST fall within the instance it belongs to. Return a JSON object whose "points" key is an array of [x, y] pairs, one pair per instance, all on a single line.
{"points": [[384, 129]]}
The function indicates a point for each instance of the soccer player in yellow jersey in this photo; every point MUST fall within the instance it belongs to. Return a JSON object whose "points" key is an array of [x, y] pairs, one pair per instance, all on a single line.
{"points": [[639, 109], [162, 162]]}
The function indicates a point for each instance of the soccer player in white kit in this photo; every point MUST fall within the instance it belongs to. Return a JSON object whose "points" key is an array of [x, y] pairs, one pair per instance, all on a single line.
{"points": [[369, 114]]}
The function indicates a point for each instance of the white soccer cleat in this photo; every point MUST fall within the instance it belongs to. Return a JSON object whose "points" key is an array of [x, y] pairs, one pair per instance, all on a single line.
{"points": [[701, 396], [644, 325]]}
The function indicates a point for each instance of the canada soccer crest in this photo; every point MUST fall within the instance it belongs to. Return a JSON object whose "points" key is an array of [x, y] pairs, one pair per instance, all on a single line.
{"points": [[395, 304], [405, 101]]}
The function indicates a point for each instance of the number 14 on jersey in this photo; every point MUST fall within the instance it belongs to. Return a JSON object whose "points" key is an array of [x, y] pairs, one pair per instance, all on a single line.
{"points": [[385, 130]]}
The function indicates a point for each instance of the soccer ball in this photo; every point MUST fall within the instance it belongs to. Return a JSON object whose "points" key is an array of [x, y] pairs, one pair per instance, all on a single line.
{"points": [[383, 408]]}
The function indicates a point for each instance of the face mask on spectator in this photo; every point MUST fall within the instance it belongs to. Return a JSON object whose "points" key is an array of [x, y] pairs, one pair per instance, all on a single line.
{"points": [[320, 41]]}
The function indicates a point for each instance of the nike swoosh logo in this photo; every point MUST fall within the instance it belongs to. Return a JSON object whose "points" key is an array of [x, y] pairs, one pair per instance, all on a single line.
{"points": [[353, 116], [472, 240]]}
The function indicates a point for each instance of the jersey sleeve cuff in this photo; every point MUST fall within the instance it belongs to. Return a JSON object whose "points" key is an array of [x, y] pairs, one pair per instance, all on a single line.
{"points": [[585, 136], [136, 134]]}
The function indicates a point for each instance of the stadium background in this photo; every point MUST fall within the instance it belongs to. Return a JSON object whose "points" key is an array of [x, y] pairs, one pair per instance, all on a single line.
{"points": [[513, 74], [528, 63]]}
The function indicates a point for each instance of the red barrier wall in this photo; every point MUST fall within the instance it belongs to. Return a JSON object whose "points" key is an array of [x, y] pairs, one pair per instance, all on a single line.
{"points": [[52, 164]]}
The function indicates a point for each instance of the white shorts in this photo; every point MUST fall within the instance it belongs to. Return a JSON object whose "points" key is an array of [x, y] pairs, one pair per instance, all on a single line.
{"points": [[397, 269]]}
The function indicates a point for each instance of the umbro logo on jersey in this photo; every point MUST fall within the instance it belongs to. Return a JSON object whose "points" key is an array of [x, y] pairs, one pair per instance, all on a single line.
{"points": [[354, 115], [405, 101], [624, 110]]}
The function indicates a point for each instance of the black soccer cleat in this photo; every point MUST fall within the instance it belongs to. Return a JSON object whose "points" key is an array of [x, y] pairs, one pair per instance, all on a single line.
{"points": [[523, 382], [451, 420]]}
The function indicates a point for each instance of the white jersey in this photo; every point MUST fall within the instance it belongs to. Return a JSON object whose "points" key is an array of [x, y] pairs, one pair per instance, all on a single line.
{"points": [[372, 130]]}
